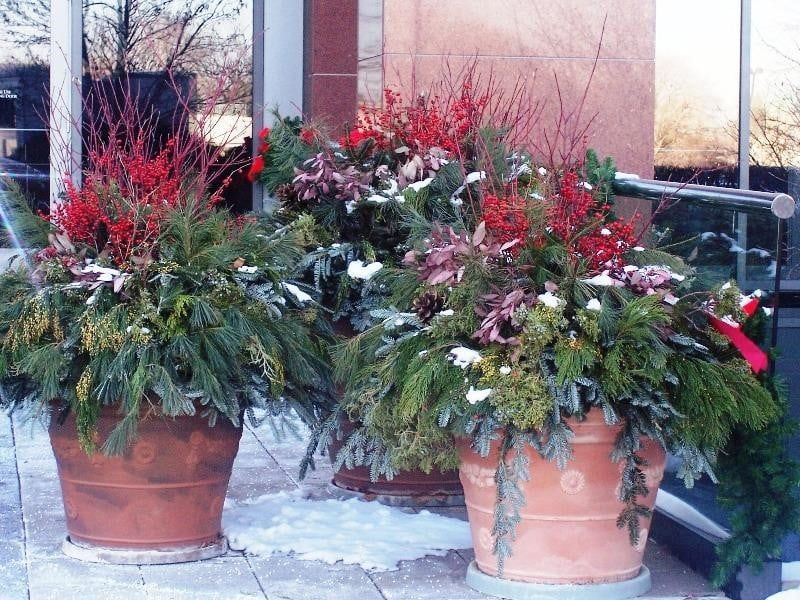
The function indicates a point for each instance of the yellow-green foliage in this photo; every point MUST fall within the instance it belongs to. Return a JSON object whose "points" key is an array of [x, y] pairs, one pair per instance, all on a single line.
{"points": [[727, 302], [520, 393], [37, 322], [101, 332], [541, 326], [522, 398], [86, 412]]}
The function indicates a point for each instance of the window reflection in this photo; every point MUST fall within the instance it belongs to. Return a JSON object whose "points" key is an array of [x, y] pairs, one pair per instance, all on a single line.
{"points": [[370, 51], [179, 56], [696, 140], [775, 116], [24, 81]]}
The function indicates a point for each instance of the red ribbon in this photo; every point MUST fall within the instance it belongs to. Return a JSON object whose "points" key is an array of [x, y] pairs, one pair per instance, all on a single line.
{"points": [[755, 356]]}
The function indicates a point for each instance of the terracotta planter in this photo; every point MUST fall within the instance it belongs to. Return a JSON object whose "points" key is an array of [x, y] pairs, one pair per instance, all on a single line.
{"points": [[164, 495], [414, 488], [568, 533]]}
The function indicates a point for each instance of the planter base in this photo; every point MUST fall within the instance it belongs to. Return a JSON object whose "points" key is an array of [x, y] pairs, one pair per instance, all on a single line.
{"points": [[115, 556], [523, 590], [400, 500]]}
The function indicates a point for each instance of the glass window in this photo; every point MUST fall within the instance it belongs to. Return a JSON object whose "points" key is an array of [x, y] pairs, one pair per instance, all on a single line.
{"points": [[696, 127], [697, 83], [179, 55], [370, 52], [775, 124], [24, 85]]}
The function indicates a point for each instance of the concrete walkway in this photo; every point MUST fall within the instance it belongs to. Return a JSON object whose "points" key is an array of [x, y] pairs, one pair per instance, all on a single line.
{"points": [[32, 529]]}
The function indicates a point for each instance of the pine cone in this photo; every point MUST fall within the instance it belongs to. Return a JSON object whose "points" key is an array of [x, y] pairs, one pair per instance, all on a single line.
{"points": [[427, 305], [285, 192]]}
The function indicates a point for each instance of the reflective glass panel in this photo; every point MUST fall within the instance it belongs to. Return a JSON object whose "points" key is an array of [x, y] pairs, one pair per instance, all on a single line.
{"points": [[24, 87]]}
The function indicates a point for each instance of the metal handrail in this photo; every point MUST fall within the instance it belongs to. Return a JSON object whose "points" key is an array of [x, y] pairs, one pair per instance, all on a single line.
{"points": [[779, 204]]}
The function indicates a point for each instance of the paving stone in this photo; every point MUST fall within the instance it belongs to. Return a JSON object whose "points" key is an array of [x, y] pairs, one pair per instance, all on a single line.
{"points": [[13, 571], [11, 529], [429, 578], [228, 578], [673, 578], [287, 578], [63, 578]]}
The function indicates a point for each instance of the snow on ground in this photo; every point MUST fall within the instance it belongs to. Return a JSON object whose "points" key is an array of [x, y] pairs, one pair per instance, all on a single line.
{"points": [[375, 536], [786, 595]]}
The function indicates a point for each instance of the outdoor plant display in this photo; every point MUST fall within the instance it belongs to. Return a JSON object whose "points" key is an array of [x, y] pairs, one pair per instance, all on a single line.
{"points": [[555, 360], [149, 322], [366, 194]]}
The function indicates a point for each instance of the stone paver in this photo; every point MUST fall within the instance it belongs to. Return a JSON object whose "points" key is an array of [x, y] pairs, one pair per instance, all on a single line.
{"points": [[216, 579], [287, 578], [32, 566]]}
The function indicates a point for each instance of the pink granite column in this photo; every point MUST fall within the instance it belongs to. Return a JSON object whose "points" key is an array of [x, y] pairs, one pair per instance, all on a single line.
{"points": [[539, 40], [331, 61]]}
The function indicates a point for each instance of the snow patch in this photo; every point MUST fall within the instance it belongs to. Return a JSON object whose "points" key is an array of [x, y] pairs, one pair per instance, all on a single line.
{"points": [[418, 185], [358, 270], [295, 291], [474, 396], [593, 304], [463, 357], [682, 511], [550, 300], [375, 536], [603, 279]]}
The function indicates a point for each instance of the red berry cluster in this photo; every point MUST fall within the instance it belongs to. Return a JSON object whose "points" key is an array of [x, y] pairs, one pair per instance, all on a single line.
{"points": [[505, 219], [577, 219], [307, 135], [430, 122], [121, 203], [259, 162], [604, 247]]}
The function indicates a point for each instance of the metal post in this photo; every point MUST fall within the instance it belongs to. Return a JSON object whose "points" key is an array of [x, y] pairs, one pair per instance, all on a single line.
{"points": [[66, 69], [744, 129], [259, 26], [744, 94], [278, 32]]}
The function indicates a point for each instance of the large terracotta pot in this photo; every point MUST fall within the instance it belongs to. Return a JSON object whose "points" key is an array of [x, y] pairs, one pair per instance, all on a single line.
{"points": [[406, 488], [164, 494], [414, 488], [568, 532]]}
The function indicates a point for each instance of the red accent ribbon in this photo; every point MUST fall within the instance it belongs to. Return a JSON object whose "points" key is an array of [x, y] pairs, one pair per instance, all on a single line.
{"points": [[755, 356], [750, 307]]}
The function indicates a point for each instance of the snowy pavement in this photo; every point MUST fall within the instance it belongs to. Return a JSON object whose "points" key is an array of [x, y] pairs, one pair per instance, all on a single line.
{"points": [[32, 529]]}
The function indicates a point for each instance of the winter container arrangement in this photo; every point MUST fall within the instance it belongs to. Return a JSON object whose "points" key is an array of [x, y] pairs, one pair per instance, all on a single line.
{"points": [[147, 325], [556, 360], [367, 194], [503, 322]]}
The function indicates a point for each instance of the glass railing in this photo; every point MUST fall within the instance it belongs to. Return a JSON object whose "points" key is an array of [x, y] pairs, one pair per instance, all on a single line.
{"points": [[725, 234]]}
